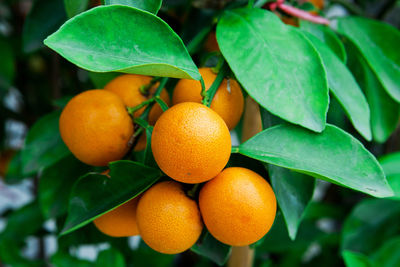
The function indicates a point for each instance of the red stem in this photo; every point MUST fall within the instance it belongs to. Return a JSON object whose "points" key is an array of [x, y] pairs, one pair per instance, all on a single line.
{"points": [[302, 14]]}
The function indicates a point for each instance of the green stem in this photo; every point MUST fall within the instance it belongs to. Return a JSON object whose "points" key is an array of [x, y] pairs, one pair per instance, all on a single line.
{"points": [[209, 94], [132, 110], [192, 192], [146, 112], [235, 149], [195, 43], [144, 89], [203, 87]]}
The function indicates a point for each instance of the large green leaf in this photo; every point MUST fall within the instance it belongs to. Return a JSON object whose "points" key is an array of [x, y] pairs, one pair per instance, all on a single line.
{"points": [[378, 43], [388, 255], [391, 167], [124, 39], [370, 223], [151, 6], [43, 145], [74, 7], [43, 19], [345, 88], [276, 65], [332, 155], [385, 111], [354, 259], [95, 194], [325, 35]]}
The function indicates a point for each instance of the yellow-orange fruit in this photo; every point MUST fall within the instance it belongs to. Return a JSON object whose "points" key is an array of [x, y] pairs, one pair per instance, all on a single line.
{"points": [[238, 206], [228, 101], [191, 143], [96, 127], [169, 221], [127, 87], [119, 222], [141, 143]]}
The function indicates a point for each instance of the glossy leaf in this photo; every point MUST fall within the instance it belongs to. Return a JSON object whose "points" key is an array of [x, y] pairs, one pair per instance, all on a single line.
{"points": [[88, 42], [391, 167], [345, 88], [385, 112], [110, 257], [370, 223], [43, 145], [74, 7], [55, 185], [327, 36], [7, 64], [378, 43], [354, 259], [211, 248], [128, 179], [388, 255], [151, 6], [276, 65], [44, 18], [332, 155], [293, 192]]}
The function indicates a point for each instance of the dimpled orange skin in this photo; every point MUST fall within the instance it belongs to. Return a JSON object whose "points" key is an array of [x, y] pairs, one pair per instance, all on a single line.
{"points": [[169, 221], [127, 87], [96, 127], [238, 206], [120, 222], [228, 104], [191, 143]]}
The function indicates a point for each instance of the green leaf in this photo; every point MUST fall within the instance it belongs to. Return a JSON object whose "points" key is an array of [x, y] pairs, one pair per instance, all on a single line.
{"points": [[74, 7], [7, 64], [378, 43], [14, 172], [385, 111], [391, 167], [388, 255], [95, 194], [44, 18], [43, 145], [55, 185], [345, 88], [370, 223], [354, 259], [293, 192], [87, 41], [327, 36], [101, 79], [211, 248], [332, 155], [110, 257], [151, 6], [61, 259], [276, 65]]}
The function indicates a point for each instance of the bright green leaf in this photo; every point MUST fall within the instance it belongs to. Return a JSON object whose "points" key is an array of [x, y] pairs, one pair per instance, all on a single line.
{"points": [[378, 43], [87, 41], [74, 7], [345, 88], [332, 155], [354, 259], [391, 167], [128, 179], [151, 6], [276, 65]]}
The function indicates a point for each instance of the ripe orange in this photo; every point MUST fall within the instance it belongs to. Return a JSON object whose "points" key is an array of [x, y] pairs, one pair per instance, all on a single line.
{"points": [[238, 206], [127, 87], [169, 221], [228, 101], [96, 127], [191, 143], [120, 221]]}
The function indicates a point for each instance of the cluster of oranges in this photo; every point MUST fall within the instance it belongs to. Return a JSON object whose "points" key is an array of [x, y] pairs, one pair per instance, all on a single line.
{"points": [[191, 144]]}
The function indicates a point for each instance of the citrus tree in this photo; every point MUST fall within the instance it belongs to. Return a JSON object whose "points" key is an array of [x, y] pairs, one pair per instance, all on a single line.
{"points": [[200, 133]]}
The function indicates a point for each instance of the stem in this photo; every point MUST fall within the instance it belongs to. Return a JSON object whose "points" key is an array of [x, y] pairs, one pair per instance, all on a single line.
{"points": [[195, 43], [144, 89], [235, 149], [302, 14], [203, 88], [192, 192], [209, 94], [132, 110], [146, 112]]}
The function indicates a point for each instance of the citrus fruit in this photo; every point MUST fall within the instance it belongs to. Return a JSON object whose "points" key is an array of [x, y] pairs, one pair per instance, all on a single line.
{"points": [[119, 222], [227, 102], [191, 143], [127, 87], [238, 206], [96, 127], [169, 221]]}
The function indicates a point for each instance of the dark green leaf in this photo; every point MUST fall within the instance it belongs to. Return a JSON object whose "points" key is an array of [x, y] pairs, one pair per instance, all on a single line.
{"points": [[327, 36], [10, 253], [354, 259], [44, 18], [211, 248], [276, 65], [145, 256], [74, 7], [56, 183], [43, 145], [88, 42], [378, 43], [391, 167], [388, 255], [61, 259], [110, 257], [128, 179], [332, 155], [343, 85], [14, 172], [7, 64], [101, 79], [151, 6]]}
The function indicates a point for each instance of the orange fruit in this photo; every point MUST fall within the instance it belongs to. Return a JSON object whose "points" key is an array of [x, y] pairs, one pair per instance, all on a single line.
{"points": [[169, 221], [127, 87], [211, 44], [96, 127], [191, 143], [238, 206], [121, 221], [227, 102], [141, 143]]}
